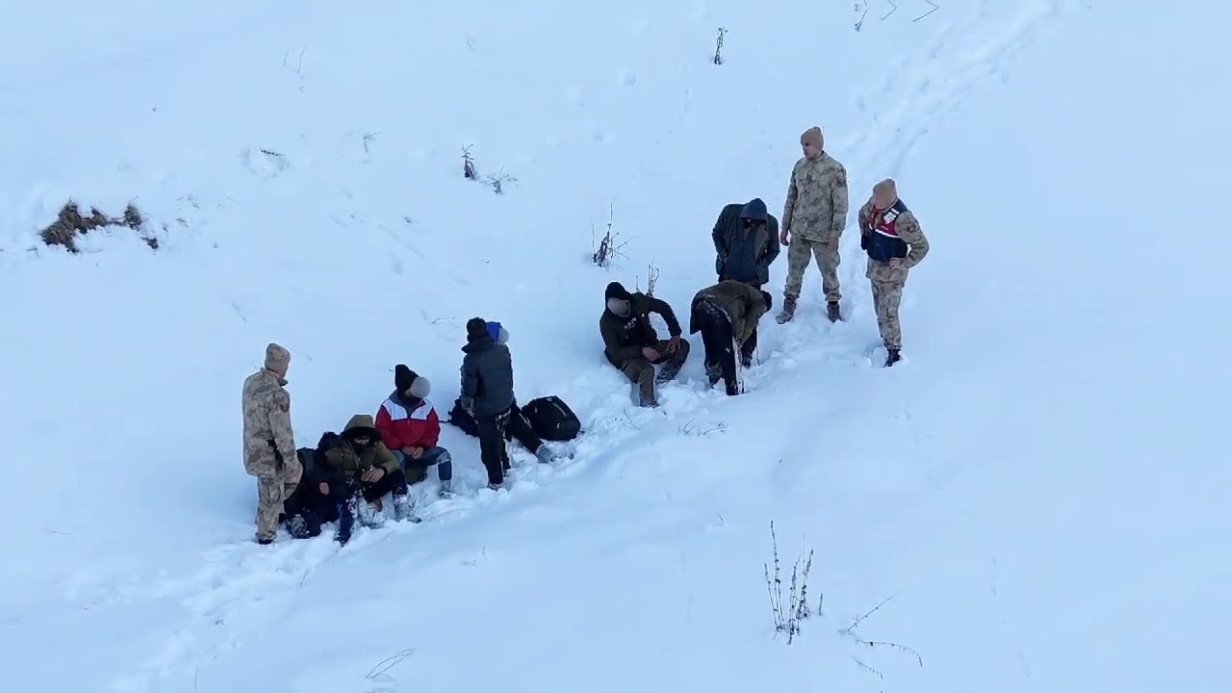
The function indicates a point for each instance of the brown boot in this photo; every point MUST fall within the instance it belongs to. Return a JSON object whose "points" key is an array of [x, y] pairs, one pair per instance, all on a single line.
{"points": [[789, 310]]}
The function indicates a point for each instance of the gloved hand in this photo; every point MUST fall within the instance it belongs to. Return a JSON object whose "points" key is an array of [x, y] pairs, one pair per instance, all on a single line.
{"points": [[468, 406]]}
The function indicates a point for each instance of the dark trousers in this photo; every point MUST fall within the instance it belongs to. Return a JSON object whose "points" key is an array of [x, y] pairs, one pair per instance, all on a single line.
{"points": [[390, 482], [719, 343], [492, 445], [519, 429], [314, 507]]}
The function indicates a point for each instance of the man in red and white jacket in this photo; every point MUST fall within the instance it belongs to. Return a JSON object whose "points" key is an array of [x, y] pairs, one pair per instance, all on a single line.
{"points": [[410, 427]]}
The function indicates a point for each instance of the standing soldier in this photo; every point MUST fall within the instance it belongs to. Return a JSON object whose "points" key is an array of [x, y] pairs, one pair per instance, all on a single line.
{"points": [[269, 444], [816, 211], [892, 237]]}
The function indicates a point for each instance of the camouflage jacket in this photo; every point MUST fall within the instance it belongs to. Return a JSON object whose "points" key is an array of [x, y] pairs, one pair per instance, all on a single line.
{"points": [[268, 439], [891, 234], [742, 303], [817, 199]]}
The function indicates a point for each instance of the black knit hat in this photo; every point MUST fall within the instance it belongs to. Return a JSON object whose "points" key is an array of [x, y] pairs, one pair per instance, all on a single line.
{"points": [[476, 328], [616, 290]]}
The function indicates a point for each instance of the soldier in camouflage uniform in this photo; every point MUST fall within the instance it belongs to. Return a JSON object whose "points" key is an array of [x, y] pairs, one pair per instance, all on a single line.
{"points": [[813, 220], [269, 444], [892, 237]]}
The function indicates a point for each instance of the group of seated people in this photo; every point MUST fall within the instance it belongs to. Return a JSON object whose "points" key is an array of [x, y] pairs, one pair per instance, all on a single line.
{"points": [[347, 475]]}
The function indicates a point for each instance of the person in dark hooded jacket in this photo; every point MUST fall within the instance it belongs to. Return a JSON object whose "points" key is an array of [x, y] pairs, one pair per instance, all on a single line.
{"points": [[746, 242], [318, 498], [631, 343], [746, 238], [487, 395]]}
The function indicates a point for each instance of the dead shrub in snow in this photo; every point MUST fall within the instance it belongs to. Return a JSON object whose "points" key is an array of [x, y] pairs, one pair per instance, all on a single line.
{"points": [[718, 46], [70, 223], [652, 278], [610, 246], [497, 182], [788, 616]]}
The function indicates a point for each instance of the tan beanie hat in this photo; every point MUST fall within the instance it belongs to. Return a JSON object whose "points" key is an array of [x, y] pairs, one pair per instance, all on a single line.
{"points": [[277, 358], [813, 136], [887, 189]]}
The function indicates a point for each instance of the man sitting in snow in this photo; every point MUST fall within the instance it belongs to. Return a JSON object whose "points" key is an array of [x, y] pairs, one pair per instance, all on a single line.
{"points": [[370, 470], [631, 343], [410, 428], [726, 314]]}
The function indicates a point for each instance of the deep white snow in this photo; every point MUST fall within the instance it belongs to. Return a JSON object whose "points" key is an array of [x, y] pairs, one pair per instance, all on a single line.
{"points": [[1041, 486]]}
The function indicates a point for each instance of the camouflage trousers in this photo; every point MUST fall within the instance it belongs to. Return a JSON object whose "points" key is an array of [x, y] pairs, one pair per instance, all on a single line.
{"points": [[272, 491], [799, 252], [886, 298]]}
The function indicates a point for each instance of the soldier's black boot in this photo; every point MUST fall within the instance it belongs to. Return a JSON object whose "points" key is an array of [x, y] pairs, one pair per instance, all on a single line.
{"points": [[892, 357], [833, 312]]}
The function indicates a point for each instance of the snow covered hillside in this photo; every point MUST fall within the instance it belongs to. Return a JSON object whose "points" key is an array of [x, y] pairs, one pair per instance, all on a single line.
{"points": [[1041, 486]]}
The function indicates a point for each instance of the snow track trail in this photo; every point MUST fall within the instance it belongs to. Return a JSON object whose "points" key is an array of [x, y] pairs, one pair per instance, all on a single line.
{"points": [[241, 593]]}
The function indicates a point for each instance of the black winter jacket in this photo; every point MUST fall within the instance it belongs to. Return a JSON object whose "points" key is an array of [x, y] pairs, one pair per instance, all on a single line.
{"points": [[744, 259], [487, 376]]}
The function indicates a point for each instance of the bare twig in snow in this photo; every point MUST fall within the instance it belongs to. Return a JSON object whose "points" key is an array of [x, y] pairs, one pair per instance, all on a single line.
{"points": [[934, 9], [887, 14], [849, 631], [702, 431], [468, 163], [870, 612], [718, 46], [378, 671]]}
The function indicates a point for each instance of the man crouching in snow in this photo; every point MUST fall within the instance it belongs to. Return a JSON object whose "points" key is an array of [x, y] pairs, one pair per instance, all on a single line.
{"points": [[726, 314], [371, 471], [631, 344], [411, 428], [322, 491]]}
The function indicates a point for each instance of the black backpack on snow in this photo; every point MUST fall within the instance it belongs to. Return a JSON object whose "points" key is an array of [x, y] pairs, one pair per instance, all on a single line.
{"points": [[551, 418], [458, 417]]}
